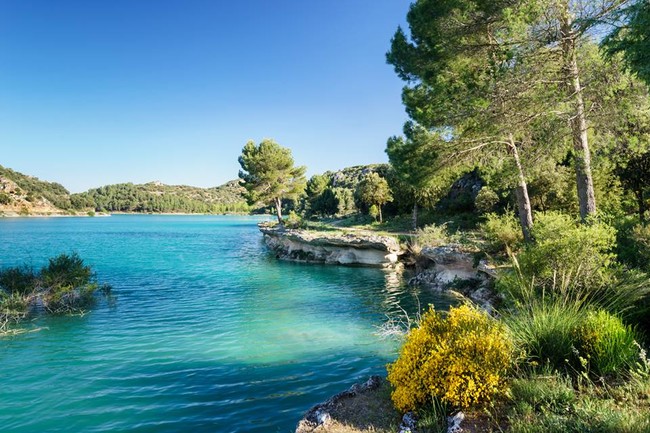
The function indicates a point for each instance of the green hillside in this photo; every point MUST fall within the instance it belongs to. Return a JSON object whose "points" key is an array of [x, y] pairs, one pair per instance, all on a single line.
{"points": [[25, 195], [17, 189], [155, 197]]}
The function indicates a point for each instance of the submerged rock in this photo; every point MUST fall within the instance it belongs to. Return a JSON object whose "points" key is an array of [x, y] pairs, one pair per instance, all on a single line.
{"points": [[334, 248]]}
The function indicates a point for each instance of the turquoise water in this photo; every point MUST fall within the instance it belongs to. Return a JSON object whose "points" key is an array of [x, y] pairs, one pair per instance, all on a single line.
{"points": [[208, 333]]}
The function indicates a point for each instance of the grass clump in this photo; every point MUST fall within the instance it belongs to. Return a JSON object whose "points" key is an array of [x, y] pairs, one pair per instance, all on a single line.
{"points": [[550, 404]]}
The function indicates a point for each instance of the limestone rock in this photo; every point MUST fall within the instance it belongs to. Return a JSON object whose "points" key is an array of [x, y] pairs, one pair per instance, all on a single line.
{"points": [[335, 248]]}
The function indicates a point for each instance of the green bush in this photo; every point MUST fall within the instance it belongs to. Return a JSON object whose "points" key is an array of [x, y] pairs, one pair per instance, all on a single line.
{"points": [[572, 262], [460, 360], [66, 270], [4, 198], [608, 344], [486, 200], [501, 232], [564, 248], [65, 285], [634, 245], [433, 235], [19, 280]]}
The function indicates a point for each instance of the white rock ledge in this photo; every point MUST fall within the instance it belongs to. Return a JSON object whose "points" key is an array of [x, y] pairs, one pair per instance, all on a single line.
{"points": [[335, 248]]}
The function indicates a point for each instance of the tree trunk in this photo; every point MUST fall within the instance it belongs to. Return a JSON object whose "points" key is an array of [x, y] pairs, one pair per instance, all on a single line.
{"points": [[641, 202], [415, 216], [380, 219], [278, 209], [585, 184], [523, 200]]}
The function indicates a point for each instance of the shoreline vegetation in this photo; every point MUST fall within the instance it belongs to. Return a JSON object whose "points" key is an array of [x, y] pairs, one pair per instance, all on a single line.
{"points": [[65, 286]]}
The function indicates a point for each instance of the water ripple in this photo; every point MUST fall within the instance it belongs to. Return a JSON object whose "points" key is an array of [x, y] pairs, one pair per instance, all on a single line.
{"points": [[209, 332]]}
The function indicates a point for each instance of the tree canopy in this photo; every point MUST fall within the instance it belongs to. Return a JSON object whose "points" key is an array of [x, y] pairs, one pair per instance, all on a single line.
{"points": [[373, 190], [269, 175]]}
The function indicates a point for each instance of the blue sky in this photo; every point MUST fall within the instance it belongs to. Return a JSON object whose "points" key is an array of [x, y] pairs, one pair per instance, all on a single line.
{"points": [[99, 92]]}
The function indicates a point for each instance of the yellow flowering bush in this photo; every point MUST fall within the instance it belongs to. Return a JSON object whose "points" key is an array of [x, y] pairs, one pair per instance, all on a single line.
{"points": [[460, 359]]}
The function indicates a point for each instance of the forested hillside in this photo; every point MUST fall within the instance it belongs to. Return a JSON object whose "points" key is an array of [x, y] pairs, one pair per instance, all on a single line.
{"points": [[156, 197], [25, 195]]}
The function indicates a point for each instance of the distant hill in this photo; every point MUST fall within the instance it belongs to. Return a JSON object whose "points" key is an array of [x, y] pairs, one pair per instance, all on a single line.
{"points": [[21, 194], [155, 197]]}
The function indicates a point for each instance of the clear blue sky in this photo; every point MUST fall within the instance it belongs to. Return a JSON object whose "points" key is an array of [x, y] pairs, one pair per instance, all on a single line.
{"points": [[99, 92]]}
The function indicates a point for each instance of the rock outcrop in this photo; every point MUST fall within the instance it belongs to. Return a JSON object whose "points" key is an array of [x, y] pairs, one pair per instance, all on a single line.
{"points": [[333, 248], [450, 267]]}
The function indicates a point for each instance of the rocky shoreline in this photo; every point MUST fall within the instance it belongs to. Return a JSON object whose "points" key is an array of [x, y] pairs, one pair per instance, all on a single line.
{"points": [[332, 248], [449, 267]]}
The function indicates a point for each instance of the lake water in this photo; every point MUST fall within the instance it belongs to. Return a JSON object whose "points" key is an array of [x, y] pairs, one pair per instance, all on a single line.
{"points": [[208, 332]]}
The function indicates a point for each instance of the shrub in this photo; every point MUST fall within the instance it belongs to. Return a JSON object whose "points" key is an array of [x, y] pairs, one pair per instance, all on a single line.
{"points": [[608, 344], [634, 245], [69, 299], [459, 360], [564, 248], [66, 270], [502, 232], [293, 221], [19, 280], [433, 235], [486, 200]]}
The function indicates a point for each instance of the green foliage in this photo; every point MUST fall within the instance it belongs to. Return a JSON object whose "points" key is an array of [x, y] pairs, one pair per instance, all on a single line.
{"points": [[293, 220], [549, 392], [321, 198], [269, 175], [65, 285], [66, 270], [18, 280], [501, 232], [544, 332], [416, 165], [633, 39], [432, 235], [460, 359], [486, 200], [567, 330], [345, 201], [23, 211], [564, 248], [634, 245], [35, 188], [549, 404], [374, 190], [373, 211], [608, 345], [155, 197], [4, 198]]}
